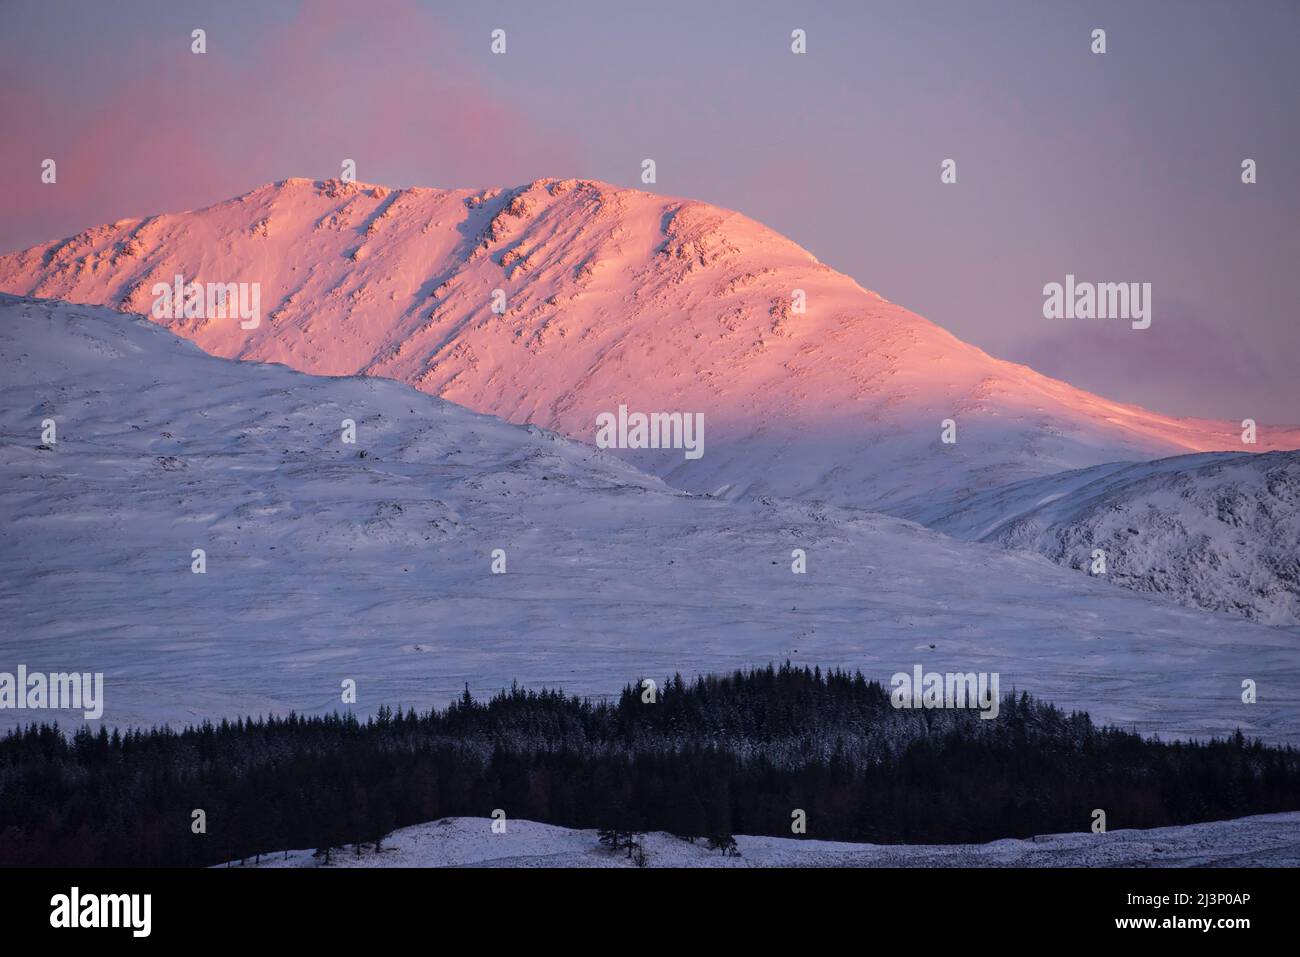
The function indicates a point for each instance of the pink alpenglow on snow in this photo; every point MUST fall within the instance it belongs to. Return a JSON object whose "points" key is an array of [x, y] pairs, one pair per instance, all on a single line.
{"points": [[554, 302]]}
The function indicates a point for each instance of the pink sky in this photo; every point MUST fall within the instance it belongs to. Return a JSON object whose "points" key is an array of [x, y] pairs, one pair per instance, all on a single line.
{"points": [[191, 130]]}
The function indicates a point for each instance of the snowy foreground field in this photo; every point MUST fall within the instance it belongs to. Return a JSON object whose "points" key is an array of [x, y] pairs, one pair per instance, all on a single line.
{"points": [[328, 561], [1267, 840]]}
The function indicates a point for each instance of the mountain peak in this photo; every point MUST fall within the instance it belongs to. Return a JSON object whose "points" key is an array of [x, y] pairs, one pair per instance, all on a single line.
{"points": [[559, 299]]}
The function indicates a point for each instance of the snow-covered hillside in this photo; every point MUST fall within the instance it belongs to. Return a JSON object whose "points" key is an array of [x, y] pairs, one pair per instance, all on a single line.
{"points": [[1266, 840], [327, 561], [1218, 530], [615, 296]]}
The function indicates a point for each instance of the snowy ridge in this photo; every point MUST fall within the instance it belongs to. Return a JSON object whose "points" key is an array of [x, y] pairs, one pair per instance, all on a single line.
{"points": [[1266, 840], [372, 561], [617, 296], [1219, 531]]}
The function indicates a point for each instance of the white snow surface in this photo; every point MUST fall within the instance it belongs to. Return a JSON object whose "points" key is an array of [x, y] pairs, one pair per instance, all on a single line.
{"points": [[617, 296], [1217, 530], [324, 565], [1266, 840]]}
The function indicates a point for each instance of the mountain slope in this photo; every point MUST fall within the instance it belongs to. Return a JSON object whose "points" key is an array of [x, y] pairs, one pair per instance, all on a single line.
{"points": [[327, 561], [617, 297], [1218, 531]]}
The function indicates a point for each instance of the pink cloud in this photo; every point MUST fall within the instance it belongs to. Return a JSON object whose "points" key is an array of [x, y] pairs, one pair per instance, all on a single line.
{"points": [[388, 89]]}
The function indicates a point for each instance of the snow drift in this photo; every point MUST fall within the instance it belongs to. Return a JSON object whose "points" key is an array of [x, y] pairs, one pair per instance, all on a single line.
{"points": [[1265, 840]]}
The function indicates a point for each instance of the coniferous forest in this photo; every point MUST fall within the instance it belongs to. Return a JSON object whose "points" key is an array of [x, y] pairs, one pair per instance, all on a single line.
{"points": [[718, 756]]}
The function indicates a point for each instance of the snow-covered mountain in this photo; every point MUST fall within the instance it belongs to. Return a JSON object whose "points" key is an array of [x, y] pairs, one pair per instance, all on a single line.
{"points": [[1217, 530], [617, 297], [328, 561]]}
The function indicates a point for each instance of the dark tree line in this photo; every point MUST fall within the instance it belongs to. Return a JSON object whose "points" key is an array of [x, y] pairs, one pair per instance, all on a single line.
{"points": [[718, 756]]}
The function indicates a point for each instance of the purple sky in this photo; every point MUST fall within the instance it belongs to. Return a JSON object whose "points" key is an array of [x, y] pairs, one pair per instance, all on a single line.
{"points": [[1120, 167]]}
